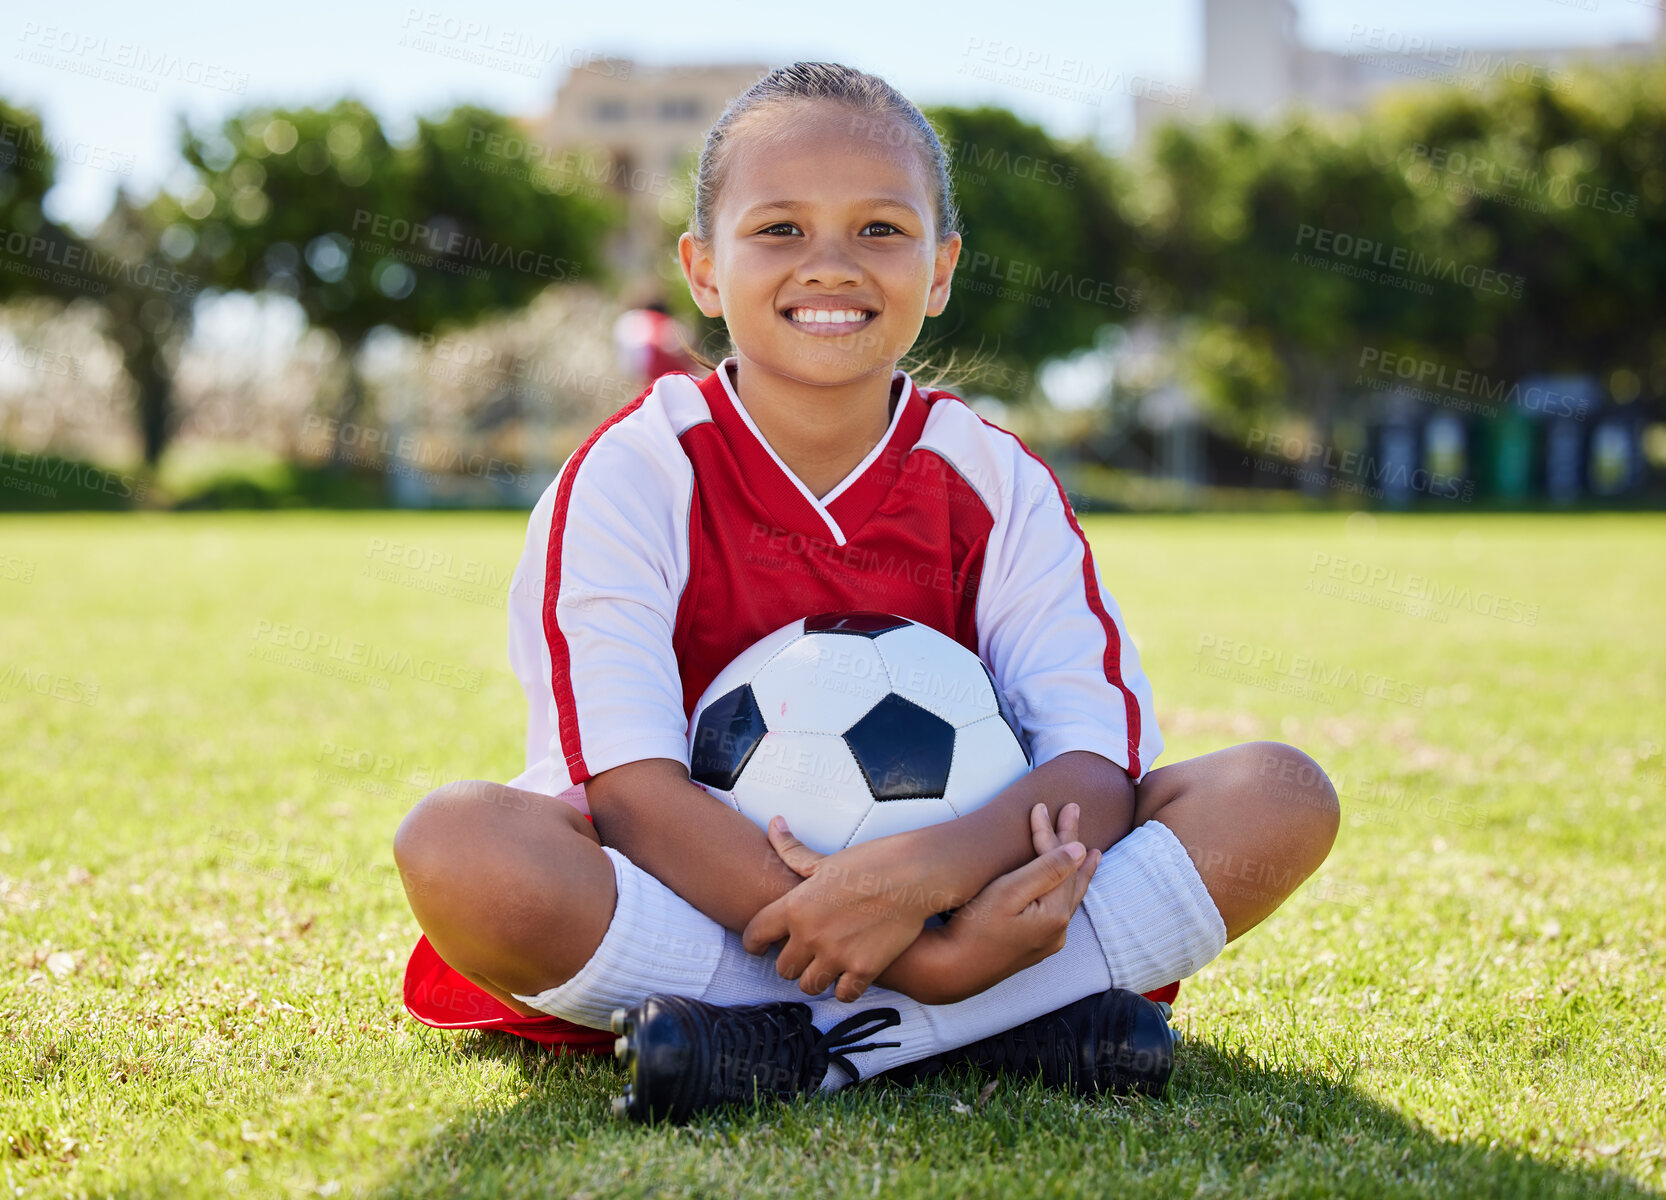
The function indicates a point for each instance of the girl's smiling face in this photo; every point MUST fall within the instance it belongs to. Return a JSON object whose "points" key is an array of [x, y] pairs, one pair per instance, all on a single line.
{"points": [[818, 219]]}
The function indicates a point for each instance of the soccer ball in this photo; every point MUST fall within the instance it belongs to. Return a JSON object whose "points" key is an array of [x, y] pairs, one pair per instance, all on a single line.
{"points": [[854, 726]]}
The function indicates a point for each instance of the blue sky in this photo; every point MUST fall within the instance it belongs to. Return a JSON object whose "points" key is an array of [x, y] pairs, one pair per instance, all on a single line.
{"points": [[206, 59]]}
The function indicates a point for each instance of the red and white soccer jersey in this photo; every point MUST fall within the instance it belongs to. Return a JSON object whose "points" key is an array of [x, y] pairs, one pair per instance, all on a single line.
{"points": [[675, 537]]}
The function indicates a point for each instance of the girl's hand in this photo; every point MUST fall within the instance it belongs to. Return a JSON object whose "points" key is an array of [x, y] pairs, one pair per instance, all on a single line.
{"points": [[855, 912], [1015, 922]]}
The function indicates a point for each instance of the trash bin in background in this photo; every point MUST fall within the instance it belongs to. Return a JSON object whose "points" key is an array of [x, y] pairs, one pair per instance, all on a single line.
{"points": [[1616, 456], [1562, 403], [1445, 454], [1511, 456], [1397, 445]]}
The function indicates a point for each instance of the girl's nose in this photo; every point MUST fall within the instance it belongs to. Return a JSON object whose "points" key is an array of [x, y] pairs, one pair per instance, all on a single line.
{"points": [[828, 263]]}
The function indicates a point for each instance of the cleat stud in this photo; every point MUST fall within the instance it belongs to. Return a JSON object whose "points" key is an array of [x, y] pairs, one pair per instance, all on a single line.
{"points": [[1166, 1009], [618, 1020], [621, 1047], [621, 1107]]}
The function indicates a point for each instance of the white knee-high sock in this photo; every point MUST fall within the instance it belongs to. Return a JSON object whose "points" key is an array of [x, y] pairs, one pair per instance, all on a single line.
{"points": [[1151, 912], [1146, 920], [657, 944]]}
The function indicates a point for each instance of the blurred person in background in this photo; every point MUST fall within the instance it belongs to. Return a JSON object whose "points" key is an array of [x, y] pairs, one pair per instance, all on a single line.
{"points": [[650, 342]]}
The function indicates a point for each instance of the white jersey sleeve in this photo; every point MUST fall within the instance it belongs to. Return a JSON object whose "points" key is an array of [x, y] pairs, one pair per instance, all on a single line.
{"points": [[1048, 628], [593, 605]]}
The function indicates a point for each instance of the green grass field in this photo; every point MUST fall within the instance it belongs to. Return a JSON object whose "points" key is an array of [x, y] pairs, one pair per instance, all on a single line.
{"points": [[202, 935]]}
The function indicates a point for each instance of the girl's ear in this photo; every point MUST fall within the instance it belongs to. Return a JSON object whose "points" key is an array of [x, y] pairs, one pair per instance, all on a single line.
{"points": [[701, 274], [948, 254]]}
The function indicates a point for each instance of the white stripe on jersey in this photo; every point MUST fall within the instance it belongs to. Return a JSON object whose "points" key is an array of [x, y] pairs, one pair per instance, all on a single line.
{"points": [[1036, 627], [625, 559]]}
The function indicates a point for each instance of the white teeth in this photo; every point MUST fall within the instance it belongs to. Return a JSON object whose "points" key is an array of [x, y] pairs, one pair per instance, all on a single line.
{"points": [[824, 316]]}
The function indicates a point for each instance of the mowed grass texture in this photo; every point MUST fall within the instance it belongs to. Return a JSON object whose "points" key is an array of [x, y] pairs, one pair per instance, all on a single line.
{"points": [[202, 935]]}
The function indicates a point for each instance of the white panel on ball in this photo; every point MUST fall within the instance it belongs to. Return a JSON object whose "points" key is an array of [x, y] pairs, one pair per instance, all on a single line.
{"points": [[750, 660], [821, 683], [987, 760], [931, 669], [747, 664], [809, 778], [900, 816]]}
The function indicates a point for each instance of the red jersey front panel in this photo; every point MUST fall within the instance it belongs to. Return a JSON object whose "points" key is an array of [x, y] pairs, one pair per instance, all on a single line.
{"points": [[762, 555]]}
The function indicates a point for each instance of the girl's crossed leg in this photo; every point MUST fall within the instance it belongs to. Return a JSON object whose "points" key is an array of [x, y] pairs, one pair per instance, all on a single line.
{"points": [[514, 891]]}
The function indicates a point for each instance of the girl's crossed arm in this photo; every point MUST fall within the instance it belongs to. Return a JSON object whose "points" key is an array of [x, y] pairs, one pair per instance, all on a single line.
{"points": [[859, 903], [858, 918]]}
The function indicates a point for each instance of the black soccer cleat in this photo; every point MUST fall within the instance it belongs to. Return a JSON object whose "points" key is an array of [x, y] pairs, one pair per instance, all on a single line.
{"points": [[1116, 1041], [686, 1056]]}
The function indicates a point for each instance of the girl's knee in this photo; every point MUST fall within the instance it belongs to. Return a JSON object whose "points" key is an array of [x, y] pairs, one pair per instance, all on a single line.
{"points": [[460, 813], [426, 841], [438, 818], [1292, 780], [462, 829]]}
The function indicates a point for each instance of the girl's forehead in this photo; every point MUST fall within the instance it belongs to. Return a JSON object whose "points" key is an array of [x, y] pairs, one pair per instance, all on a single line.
{"points": [[824, 152], [822, 121]]}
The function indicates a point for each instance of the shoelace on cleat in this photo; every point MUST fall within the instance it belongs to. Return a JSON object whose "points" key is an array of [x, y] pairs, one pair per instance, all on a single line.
{"points": [[1047, 1041], [751, 1038], [781, 1041], [836, 1042]]}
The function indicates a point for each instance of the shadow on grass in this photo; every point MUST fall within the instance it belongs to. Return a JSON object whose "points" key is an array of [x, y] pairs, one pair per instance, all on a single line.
{"points": [[1232, 1125]]}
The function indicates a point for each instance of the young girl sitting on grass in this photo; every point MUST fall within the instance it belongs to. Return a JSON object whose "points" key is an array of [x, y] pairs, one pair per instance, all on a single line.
{"points": [[789, 481]]}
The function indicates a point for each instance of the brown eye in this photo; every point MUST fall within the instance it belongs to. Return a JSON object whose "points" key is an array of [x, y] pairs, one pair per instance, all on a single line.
{"points": [[882, 225]]}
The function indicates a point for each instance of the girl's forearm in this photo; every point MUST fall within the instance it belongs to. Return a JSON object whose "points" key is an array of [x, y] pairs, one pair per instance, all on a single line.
{"points": [[995, 839], [696, 845]]}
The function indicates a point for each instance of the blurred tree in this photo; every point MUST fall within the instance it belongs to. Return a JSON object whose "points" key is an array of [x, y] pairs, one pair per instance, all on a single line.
{"points": [[27, 167], [1565, 189], [1236, 225], [318, 205], [146, 298], [149, 299], [1511, 231], [1044, 262]]}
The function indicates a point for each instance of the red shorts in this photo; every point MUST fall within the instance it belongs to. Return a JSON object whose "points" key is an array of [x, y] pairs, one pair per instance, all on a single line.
{"points": [[437, 995]]}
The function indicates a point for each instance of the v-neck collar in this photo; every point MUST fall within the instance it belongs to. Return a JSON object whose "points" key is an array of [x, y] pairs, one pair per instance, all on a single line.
{"points": [[852, 501]]}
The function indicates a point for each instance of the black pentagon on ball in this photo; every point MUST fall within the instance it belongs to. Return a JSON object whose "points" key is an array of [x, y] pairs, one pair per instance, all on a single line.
{"points": [[727, 733], [862, 624], [1007, 714], [904, 750]]}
